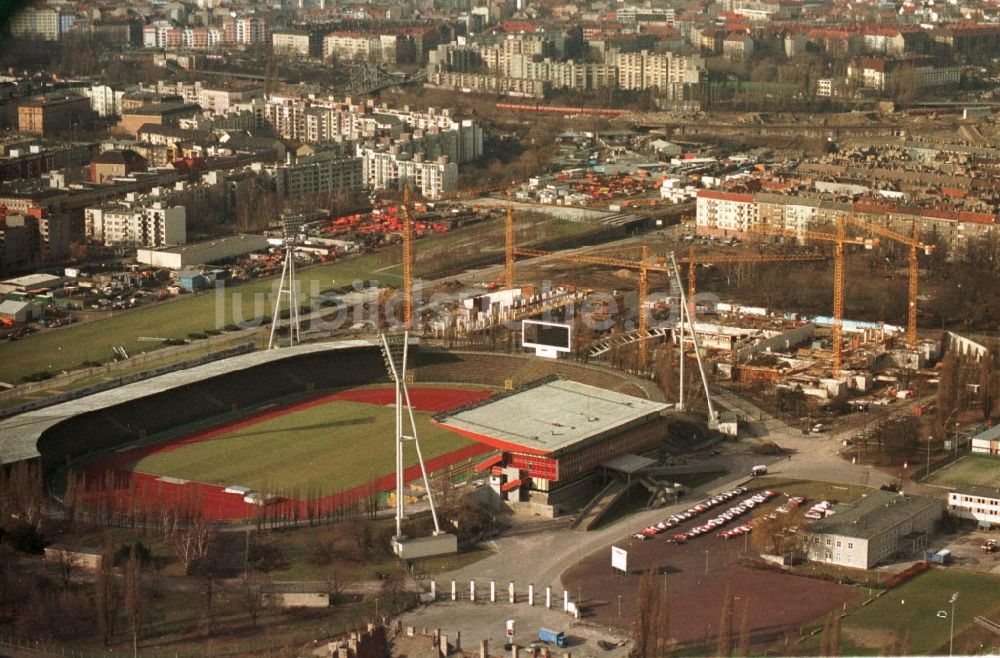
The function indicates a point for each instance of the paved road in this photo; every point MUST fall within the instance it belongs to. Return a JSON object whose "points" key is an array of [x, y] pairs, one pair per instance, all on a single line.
{"points": [[541, 550]]}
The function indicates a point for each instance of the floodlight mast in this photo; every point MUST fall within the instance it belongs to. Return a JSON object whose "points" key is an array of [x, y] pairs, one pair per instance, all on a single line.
{"points": [[686, 312], [396, 347], [291, 227]]}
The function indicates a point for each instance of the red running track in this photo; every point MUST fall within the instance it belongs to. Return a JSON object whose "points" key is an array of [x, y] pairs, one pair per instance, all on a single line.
{"points": [[113, 481]]}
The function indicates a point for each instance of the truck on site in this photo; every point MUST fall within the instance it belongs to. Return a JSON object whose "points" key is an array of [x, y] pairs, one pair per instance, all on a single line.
{"points": [[557, 638]]}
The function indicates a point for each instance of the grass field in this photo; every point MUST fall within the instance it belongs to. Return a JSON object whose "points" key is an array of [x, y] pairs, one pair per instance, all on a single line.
{"points": [[811, 489], [318, 448], [68, 347], [971, 469], [913, 608]]}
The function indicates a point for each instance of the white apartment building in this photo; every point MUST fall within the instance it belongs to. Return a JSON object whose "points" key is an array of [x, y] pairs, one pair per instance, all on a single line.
{"points": [[979, 503], [290, 42], [665, 72], [136, 225], [721, 213], [325, 173], [106, 100], [388, 169], [350, 46], [36, 22]]}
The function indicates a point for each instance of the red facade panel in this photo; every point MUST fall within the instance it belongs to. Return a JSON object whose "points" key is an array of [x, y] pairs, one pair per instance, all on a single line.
{"points": [[535, 465]]}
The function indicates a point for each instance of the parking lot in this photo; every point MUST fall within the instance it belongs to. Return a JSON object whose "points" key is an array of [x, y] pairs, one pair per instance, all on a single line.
{"points": [[966, 551], [698, 573]]}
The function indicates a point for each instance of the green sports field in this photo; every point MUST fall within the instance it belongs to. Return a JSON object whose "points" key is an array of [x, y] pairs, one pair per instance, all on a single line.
{"points": [[913, 609], [320, 449], [971, 469]]}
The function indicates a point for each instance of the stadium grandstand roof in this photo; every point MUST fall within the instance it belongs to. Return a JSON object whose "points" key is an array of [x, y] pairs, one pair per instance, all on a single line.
{"points": [[19, 434], [549, 417]]}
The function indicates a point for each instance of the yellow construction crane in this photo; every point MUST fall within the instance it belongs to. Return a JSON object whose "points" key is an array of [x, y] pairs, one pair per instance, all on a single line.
{"points": [[407, 258], [643, 265], [508, 269], [839, 239], [914, 244]]}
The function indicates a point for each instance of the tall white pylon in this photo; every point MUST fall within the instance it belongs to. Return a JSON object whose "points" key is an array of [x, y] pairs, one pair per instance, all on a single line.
{"points": [[287, 286], [395, 349]]}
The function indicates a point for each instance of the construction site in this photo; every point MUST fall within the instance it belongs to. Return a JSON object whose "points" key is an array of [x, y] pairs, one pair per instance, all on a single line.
{"points": [[648, 305]]}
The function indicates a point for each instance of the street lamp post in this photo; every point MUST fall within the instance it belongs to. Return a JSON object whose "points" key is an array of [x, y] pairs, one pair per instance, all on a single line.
{"points": [[951, 635]]}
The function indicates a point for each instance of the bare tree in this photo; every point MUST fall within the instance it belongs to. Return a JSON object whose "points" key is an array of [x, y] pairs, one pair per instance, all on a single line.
{"points": [[651, 630], [743, 650], [106, 598], [776, 536], [724, 644], [337, 581], [192, 542], [64, 563], [135, 598], [989, 379], [252, 590]]}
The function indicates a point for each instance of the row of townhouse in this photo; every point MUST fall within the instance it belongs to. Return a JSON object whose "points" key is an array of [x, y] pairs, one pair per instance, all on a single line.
{"points": [[729, 213]]}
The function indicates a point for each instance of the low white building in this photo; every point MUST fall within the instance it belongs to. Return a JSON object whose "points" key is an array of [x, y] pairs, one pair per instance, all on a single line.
{"points": [[976, 502], [177, 257], [987, 443]]}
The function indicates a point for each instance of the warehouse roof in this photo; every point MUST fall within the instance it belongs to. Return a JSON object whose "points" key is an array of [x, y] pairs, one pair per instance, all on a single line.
{"points": [[873, 514], [549, 417]]}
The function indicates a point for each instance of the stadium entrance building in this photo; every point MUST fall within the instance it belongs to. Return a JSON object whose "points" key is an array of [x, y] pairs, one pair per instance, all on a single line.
{"points": [[552, 437]]}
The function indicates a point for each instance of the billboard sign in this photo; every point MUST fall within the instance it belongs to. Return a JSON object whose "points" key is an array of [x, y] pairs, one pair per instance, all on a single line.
{"points": [[546, 338], [619, 559]]}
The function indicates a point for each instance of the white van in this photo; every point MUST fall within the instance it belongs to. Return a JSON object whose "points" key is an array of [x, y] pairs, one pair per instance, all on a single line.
{"points": [[758, 470]]}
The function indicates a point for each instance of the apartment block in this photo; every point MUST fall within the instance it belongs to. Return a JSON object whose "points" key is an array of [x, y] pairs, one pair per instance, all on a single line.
{"points": [[387, 169], [136, 224], [292, 43], [36, 23], [352, 46], [53, 114], [328, 174]]}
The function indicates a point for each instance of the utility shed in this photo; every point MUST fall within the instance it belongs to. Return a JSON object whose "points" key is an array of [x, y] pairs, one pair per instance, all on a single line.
{"points": [[19, 311]]}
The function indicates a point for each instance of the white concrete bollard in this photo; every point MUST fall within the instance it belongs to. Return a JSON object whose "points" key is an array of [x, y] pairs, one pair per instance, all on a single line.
{"points": [[434, 592], [565, 601], [510, 591], [548, 598], [454, 592], [531, 594], [493, 591], [472, 590]]}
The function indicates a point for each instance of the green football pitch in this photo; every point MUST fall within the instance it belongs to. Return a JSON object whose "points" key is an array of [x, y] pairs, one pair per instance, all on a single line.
{"points": [[971, 469], [324, 448]]}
